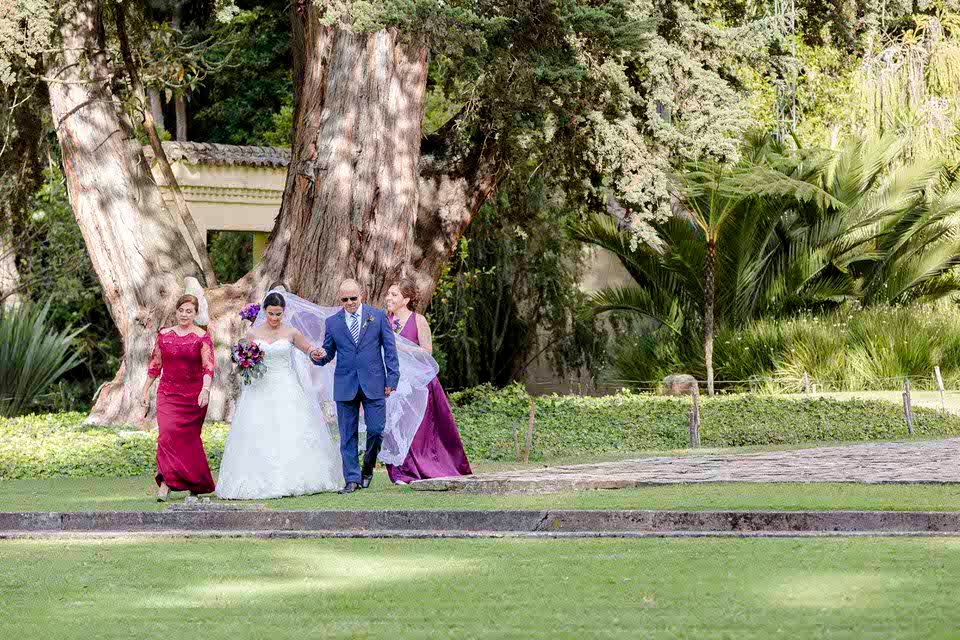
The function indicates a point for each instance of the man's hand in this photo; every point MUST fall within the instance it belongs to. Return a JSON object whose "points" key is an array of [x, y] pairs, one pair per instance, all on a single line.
{"points": [[387, 391], [318, 354]]}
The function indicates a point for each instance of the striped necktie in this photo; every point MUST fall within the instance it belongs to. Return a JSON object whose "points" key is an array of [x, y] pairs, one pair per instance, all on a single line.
{"points": [[355, 328]]}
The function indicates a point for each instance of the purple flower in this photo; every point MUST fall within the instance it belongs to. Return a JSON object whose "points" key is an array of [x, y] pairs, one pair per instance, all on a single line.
{"points": [[396, 326], [250, 311]]}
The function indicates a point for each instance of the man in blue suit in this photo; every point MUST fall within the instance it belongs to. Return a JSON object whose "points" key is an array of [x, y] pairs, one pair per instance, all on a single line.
{"points": [[367, 372]]}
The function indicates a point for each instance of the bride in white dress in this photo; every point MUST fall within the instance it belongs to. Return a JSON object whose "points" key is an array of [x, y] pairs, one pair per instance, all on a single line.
{"points": [[279, 444]]}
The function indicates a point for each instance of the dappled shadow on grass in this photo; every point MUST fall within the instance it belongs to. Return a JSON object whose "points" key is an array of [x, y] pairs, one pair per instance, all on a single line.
{"points": [[310, 571], [834, 589]]}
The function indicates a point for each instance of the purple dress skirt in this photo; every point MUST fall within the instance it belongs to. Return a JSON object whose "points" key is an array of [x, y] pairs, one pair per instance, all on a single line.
{"points": [[436, 450]]}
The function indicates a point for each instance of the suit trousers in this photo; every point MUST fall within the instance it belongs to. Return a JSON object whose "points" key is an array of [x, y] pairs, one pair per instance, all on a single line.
{"points": [[348, 422]]}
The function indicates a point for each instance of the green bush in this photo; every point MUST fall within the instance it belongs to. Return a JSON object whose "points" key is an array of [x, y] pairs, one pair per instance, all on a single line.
{"points": [[59, 444], [847, 349], [44, 446]]}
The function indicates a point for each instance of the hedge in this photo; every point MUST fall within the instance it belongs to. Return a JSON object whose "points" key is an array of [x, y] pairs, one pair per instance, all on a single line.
{"points": [[54, 445]]}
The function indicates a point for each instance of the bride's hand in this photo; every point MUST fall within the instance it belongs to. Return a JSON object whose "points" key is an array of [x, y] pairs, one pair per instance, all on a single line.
{"points": [[204, 398]]}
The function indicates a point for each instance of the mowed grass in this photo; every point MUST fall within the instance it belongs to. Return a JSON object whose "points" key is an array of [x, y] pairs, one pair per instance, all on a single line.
{"points": [[137, 494], [242, 589], [929, 399]]}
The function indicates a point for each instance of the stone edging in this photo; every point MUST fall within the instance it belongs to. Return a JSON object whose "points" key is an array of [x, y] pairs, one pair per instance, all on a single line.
{"points": [[411, 523]]}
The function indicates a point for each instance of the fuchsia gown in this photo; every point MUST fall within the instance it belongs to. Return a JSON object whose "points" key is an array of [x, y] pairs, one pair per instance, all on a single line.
{"points": [[183, 361], [436, 451]]}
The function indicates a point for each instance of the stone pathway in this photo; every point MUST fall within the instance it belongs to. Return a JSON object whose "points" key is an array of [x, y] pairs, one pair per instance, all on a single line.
{"points": [[929, 461]]}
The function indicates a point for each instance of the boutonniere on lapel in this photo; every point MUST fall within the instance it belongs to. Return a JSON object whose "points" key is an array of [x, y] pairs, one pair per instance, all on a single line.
{"points": [[369, 320]]}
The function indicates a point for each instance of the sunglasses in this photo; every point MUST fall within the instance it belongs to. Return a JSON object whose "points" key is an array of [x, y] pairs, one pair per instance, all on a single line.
{"points": [[350, 299]]}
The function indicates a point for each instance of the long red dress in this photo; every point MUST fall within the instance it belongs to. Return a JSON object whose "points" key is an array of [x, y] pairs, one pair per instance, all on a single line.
{"points": [[183, 360]]}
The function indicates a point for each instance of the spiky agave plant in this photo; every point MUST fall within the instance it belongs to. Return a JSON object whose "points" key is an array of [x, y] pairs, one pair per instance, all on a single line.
{"points": [[32, 355]]}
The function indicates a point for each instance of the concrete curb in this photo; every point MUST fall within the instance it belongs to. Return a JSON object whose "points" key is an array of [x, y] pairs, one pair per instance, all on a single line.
{"points": [[452, 535], [483, 523]]}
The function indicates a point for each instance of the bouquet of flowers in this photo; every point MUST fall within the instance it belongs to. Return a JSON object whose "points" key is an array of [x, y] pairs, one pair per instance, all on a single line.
{"points": [[250, 311], [247, 360]]}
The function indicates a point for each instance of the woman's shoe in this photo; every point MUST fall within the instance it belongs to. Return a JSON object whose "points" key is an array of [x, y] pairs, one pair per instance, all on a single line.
{"points": [[163, 492]]}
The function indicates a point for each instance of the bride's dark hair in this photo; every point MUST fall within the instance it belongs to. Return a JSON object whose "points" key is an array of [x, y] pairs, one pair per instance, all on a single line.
{"points": [[274, 300]]}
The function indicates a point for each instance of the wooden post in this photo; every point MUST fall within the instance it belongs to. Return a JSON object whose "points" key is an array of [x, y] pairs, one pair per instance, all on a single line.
{"points": [[907, 406], [526, 449], [806, 384], [939, 379], [693, 424], [516, 441]]}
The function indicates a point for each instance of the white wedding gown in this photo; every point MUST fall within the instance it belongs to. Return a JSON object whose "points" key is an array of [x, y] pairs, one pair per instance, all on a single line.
{"points": [[276, 446]]}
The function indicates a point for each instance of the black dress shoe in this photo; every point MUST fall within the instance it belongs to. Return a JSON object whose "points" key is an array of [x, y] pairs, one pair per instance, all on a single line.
{"points": [[350, 488], [365, 481]]}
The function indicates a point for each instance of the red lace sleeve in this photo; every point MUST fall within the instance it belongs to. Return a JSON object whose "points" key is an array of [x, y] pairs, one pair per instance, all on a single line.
{"points": [[207, 362], [156, 362]]}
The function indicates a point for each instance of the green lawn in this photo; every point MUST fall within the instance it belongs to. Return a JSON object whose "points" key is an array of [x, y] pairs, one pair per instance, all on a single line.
{"points": [[242, 589], [136, 494], [929, 399]]}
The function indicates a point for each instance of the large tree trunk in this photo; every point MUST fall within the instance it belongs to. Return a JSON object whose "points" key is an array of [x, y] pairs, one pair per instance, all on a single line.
{"points": [[366, 197], [134, 242], [351, 198]]}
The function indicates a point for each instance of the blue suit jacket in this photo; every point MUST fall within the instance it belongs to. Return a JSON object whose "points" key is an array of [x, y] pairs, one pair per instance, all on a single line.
{"points": [[360, 365]]}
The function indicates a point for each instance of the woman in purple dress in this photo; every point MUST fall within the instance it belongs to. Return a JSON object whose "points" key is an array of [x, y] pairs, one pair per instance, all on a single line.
{"points": [[436, 450]]}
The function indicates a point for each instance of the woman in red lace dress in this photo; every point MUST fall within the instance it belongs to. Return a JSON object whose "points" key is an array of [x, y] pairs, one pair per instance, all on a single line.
{"points": [[184, 354]]}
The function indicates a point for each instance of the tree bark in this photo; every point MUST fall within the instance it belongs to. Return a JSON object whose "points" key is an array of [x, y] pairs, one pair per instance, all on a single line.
{"points": [[352, 186], [709, 293], [134, 242]]}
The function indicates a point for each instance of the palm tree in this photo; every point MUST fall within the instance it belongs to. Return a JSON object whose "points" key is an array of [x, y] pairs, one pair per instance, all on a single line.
{"points": [[749, 197]]}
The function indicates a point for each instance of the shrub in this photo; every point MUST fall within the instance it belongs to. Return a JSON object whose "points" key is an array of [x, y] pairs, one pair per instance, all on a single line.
{"points": [[845, 350], [32, 355], [54, 445]]}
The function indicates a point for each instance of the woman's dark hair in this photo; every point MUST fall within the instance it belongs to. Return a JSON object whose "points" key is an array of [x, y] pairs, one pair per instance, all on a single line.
{"points": [[278, 283], [184, 299], [408, 289], [274, 300]]}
